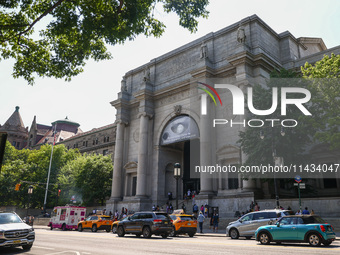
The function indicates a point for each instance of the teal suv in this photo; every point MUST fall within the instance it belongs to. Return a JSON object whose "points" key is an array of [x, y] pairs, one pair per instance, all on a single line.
{"points": [[298, 228]]}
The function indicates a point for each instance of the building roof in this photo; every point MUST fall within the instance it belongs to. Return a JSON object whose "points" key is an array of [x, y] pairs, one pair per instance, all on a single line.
{"points": [[66, 121], [15, 119]]}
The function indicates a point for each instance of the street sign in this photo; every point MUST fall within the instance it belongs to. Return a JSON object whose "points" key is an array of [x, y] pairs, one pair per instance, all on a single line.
{"points": [[302, 185], [298, 178]]}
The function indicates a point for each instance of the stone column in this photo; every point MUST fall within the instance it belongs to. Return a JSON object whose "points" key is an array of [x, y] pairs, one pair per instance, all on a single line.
{"points": [[205, 149], [116, 192], [142, 155]]}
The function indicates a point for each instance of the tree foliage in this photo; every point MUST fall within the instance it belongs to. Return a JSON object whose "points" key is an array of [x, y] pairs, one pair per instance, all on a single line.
{"points": [[291, 145], [75, 30], [88, 178], [325, 88], [30, 167]]}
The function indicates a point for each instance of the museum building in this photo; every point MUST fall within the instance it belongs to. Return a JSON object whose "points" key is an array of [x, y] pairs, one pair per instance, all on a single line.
{"points": [[159, 120]]}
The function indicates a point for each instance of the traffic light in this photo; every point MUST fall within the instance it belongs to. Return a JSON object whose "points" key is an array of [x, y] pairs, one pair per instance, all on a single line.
{"points": [[59, 190], [17, 186]]}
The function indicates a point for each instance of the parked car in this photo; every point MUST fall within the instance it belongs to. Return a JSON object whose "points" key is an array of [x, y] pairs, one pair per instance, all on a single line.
{"points": [[247, 224], [298, 228], [146, 224], [183, 224], [96, 222], [14, 232]]}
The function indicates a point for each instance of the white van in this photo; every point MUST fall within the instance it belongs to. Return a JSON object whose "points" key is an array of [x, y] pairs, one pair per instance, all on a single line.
{"points": [[67, 217]]}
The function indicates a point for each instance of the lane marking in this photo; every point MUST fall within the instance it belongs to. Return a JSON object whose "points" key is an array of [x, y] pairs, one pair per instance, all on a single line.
{"points": [[45, 248]]}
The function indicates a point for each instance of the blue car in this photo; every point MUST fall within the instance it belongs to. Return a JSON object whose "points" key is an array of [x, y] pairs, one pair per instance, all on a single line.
{"points": [[297, 228]]}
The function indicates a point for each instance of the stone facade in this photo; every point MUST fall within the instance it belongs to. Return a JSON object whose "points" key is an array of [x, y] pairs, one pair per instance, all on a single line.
{"points": [[155, 94], [98, 140]]}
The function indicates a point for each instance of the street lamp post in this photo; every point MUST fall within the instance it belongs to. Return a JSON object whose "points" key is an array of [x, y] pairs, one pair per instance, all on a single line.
{"points": [[177, 175], [274, 156], [29, 192]]}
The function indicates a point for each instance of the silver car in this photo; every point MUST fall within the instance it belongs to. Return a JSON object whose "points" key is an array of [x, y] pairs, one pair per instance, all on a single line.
{"points": [[14, 232], [247, 224]]}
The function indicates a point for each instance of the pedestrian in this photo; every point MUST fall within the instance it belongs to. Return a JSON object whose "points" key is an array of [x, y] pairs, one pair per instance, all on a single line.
{"points": [[215, 222], [206, 210], [189, 194], [251, 207], [257, 207], [116, 215], [312, 212], [169, 196], [211, 226], [153, 208], [183, 208], [171, 208], [298, 212], [202, 208], [304, 212], [200, 220]]}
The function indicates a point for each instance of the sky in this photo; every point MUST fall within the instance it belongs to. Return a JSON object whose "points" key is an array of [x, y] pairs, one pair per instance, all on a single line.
{"points": [[86, 99]]}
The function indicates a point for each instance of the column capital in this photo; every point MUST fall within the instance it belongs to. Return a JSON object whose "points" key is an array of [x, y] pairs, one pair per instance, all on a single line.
{"points": [[122, 122], [145, 114]]}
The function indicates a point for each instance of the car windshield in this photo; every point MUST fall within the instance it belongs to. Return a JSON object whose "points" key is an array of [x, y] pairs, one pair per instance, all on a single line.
{"points": [[7, 218], [173, 217], [288, 213], [313, 219], [106, 218], [186, 217], [162, 216]]}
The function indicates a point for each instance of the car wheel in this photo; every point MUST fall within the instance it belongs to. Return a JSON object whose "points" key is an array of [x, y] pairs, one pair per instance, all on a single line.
{"points": [[264, 238], [173, 232], [165, 236], [191, 234], [120, 231], [234, 233], [27, 247], [63, 227], [314, 240], [146, 232], [114, 229], [327, 243], [94, 228], [80, 228]]}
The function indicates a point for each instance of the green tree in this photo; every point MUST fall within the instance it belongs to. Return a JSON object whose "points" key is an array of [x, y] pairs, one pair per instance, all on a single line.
{"points": [[291, 145], [76, 30], [88, 178], [325, 88], [31, 167]]}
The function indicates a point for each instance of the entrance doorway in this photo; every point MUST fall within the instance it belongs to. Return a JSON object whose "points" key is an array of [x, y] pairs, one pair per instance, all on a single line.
{"points": [[191, 158]]}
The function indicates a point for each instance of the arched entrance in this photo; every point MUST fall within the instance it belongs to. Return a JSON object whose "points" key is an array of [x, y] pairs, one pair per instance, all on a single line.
{"points": [[178, 138]]}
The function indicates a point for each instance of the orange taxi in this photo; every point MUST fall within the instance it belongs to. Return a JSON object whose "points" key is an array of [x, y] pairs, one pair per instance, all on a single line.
{"points": [[183, 223], [96, 222]]}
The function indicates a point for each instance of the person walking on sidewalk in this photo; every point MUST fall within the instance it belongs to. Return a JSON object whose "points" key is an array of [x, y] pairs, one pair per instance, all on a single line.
{"points": [[200, 220], [215, 222]]}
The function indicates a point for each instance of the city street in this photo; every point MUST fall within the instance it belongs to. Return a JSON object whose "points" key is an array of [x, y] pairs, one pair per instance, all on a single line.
{"points": [[83, 243]]}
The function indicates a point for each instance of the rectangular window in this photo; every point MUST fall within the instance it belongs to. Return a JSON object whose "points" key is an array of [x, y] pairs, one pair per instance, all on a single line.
{"points": [[105, 152]]}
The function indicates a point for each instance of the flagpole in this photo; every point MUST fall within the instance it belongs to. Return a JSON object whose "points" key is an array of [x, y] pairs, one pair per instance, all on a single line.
{"points": [[49, 168]]}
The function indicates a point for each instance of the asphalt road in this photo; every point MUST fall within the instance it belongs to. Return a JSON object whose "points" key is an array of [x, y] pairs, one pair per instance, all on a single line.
{"points": [[57, 242]]}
